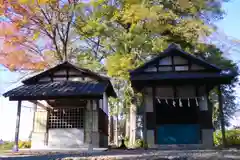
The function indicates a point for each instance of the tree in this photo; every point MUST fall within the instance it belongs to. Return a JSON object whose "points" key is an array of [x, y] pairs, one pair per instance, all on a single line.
{"points": [[37, 33], [216, 56], [127, 33]]}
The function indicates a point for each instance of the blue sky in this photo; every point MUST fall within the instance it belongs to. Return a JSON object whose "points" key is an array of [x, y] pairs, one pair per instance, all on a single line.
{"points": [[230, 25]]}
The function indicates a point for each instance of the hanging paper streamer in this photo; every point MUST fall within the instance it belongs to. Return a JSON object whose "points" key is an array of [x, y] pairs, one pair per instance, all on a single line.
{"points": [[202, 98], [196, 102], [166, 101], [180, 102], [174, 103], [159, 101], [188, 102]]}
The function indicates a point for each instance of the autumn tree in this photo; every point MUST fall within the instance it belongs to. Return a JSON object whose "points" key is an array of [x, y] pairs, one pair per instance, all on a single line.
{"points": [[130, 32], [37, 33]]}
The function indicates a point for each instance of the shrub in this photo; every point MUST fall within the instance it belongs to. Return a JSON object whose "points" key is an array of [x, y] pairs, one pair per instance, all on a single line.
{"points": [[232, 137], [126, 141], [140, 143], [24, 144]]}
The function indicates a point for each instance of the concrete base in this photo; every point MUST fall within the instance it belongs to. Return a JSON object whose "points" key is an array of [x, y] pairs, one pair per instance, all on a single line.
{"points": [[178, 147], [38, 140], [65, 138], [207, 138]]}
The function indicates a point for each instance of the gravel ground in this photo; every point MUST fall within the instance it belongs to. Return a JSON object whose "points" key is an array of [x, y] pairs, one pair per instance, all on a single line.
{"points": [[141, 155]]}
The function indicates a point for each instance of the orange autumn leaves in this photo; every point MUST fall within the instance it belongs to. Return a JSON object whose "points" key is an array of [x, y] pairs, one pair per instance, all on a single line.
{"points": [[18, 36]]}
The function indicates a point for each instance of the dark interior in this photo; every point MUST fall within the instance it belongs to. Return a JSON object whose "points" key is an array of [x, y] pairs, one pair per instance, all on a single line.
{"points": [[166, 113]]}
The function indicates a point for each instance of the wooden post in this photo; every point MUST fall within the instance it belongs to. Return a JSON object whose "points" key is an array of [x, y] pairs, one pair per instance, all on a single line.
{"points": [[34, 115], [144, 123], [15, 147], [90, 109], [220, 101]]}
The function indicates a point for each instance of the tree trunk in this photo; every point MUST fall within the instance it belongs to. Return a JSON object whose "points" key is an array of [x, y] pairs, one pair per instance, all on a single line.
{"points": [[110, 130], [132, 124], [127, 120], [117, 130], [220, 102]]}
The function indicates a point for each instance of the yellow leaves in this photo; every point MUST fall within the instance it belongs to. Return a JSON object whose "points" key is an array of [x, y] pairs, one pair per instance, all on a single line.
{"points": [[119, 64], [134, 13], [25, 2], [184, 3], [48, 27], [133, 1], [36, 35], [43, 1], [50, 56]]}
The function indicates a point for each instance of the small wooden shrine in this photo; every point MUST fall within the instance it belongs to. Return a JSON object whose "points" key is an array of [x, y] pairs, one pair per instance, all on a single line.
{"points": [[71, 107], [177, 109]]}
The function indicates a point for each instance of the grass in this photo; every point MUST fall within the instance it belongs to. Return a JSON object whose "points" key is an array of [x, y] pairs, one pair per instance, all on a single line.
{"points": [[7, 146]]}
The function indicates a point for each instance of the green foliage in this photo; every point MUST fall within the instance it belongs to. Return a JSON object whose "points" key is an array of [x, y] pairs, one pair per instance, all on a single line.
{"points": [[118, 65], [139, 143], [86, 60], [126, 141], [215, 56], [232, 137], [125, 33]]}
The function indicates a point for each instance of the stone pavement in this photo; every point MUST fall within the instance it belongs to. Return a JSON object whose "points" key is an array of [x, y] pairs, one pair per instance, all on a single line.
{"points": [[139, 154]]}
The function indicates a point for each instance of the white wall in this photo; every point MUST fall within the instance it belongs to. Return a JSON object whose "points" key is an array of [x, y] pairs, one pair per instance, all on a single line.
{"points": [[65, 138]]}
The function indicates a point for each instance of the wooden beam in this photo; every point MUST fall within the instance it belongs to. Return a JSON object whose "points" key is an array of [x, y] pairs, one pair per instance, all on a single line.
{"points": [[15, 147], [220, 101], [30, 98]]}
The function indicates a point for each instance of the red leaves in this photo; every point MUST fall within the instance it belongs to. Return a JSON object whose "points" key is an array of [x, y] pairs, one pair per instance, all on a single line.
{"points": [[19, 48], [20, 60], [6, 29]]}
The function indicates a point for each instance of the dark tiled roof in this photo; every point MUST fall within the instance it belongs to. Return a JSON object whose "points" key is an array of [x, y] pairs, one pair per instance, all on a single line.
{"points": [[60, 89]]}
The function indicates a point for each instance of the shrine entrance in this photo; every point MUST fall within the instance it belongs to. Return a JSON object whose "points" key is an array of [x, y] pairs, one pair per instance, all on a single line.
{"points": [[177, 121]]}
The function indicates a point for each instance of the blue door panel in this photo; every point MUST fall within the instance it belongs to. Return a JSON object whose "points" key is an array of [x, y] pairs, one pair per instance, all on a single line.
{"points": [[178, 134]]}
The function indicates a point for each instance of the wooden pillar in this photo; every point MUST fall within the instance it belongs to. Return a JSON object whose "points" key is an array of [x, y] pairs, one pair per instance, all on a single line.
{"points": [[90, 109], [144, 122], [34, 115], [220, 102], [15, 147], [154, 111]]}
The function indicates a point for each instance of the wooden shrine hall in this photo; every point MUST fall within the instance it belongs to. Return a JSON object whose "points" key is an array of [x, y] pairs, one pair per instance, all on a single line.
{"points": [[177, 109], [71, 107]]}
